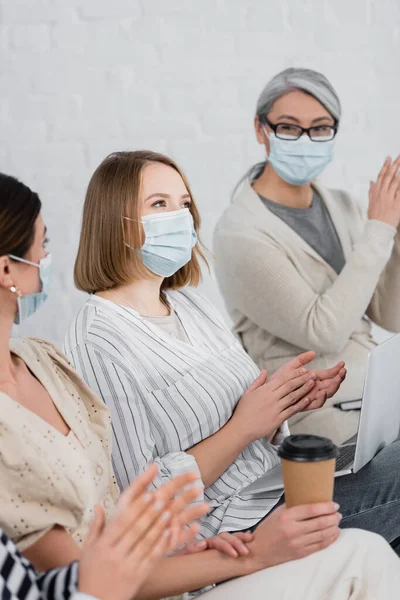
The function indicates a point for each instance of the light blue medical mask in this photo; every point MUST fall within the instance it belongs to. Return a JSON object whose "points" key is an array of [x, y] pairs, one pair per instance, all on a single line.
{"points": [[170, 238], [300, 161], [30, 303]]}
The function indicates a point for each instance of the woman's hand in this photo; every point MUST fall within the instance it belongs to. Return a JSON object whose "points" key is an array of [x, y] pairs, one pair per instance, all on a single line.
{"points": [[327, 381], [232, 544], [327, 384], [118, 557], [266, 405], [384, 198], [292, 533]]}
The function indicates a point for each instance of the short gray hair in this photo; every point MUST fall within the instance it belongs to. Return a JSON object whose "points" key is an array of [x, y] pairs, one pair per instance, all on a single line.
{"points": [[305, 80], [291, 79]]}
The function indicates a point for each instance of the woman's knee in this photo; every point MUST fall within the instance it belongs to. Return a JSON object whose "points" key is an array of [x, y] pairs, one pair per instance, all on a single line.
{"points": [[364, 542]]}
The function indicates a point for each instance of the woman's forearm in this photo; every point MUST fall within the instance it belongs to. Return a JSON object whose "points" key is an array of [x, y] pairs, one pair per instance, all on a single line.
{"points": [[384, 309], [179, 574], [56, 548], [216, 453]]}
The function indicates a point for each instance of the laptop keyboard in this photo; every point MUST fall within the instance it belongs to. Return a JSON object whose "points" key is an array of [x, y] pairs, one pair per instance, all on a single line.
{"points": [[346, 457]]}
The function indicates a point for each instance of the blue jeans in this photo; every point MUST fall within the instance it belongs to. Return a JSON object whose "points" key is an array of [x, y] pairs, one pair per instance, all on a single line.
{"points": [[370, 499]]}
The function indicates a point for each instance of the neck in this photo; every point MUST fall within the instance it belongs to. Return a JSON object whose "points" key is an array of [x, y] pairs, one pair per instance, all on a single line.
{"points": [[271, 186], [7, 366], [142, 295]]}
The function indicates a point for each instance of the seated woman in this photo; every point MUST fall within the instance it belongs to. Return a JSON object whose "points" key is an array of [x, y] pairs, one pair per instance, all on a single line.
{"points": [[302, 266], [55, 467], [181, 389], [115, 560]]}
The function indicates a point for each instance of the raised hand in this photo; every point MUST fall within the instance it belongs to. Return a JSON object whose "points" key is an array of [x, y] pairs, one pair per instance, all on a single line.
{"points": [[384, 200], [118, 557]]}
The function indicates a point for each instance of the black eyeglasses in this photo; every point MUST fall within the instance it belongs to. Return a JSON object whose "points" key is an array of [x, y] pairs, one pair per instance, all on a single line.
{"points": [[290, 132]]}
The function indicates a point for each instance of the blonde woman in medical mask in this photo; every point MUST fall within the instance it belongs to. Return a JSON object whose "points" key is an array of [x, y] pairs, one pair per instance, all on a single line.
{"points": [[182, 391], [300, 266]]}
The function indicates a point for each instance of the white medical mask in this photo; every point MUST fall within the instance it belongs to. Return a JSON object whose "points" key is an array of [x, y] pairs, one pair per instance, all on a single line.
{"points": [[300, 161], [170, 238], [30, 303]]}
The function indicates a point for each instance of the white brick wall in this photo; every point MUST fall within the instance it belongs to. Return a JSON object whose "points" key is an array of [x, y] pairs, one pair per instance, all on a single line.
{"points": [[81, 78]]}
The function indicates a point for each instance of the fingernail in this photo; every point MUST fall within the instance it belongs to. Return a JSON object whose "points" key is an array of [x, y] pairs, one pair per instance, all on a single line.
{"points": [[245, 549], [158, 505], [336, 505], [201, 544], [302, 371], [166, 515], [340, 516], [147, 498], [167, 533], [234, 553]]}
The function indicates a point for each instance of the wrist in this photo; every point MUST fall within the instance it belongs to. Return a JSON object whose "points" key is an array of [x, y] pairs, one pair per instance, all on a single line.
{"points": [[239, 431], [261, 555], [252, 563]]}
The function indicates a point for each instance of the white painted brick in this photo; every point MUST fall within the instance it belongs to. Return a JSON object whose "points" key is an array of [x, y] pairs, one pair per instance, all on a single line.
{"points": [[103, 43], [20, 121], [47, 160], [183, 7], [4, 39], [36, 11], [158, 126], [117, 9], [385, 13], [30, 38], [82, 78], [224, 123], [97, 153]]}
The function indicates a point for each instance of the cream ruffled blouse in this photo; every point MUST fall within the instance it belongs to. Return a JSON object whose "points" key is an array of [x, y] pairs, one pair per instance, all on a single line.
{"points": [[47, 478]]}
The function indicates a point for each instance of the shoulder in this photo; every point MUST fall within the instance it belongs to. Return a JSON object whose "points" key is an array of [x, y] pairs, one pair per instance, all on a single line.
{"points": [[41, 350], [102, 331], [81, 325], [97, 323], [241, 210]]}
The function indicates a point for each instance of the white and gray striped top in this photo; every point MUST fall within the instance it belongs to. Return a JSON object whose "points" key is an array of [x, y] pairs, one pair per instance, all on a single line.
{"points": [[166, 395]]}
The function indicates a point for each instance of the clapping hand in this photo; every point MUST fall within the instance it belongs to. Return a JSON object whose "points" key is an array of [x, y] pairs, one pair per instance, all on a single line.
{"points": [[327, 381], [119, 556]]}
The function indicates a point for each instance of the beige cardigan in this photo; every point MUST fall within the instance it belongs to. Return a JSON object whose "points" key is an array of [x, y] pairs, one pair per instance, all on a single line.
{"points": [[284, 298]]}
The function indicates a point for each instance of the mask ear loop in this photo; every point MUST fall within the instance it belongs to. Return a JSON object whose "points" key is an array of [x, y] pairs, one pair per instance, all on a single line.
{"points": [[267, 135]]}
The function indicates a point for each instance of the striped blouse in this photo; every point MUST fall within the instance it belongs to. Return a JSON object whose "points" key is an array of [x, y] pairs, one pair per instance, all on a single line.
{"points": [[20, 581], [166, 395]]}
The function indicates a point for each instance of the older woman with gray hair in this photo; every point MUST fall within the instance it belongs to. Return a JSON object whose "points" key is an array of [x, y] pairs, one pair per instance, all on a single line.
{"points": [[301, 266]]}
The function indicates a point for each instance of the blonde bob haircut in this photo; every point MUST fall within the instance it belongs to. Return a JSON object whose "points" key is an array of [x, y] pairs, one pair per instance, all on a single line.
{"points": [[104, 260]]}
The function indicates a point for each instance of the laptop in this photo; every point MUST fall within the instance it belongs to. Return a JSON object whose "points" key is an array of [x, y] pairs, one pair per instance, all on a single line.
{"points": [[379, 423]]}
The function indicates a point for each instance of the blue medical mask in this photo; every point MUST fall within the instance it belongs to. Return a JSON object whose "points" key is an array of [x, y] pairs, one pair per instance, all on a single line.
{"points": [[300, 161], [170, 238], [29, 303]]}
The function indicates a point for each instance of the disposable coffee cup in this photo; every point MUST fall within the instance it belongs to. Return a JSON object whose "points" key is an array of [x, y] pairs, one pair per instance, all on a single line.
{"points": [[308, 466]]}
